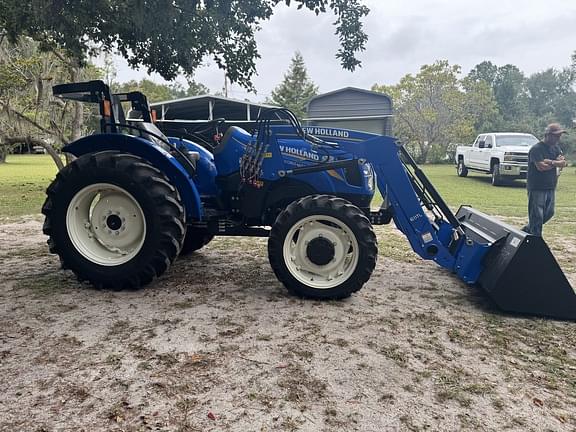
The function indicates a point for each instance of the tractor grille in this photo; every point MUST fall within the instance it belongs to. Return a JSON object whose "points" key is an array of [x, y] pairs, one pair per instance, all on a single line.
{"points": [[517, 157]]}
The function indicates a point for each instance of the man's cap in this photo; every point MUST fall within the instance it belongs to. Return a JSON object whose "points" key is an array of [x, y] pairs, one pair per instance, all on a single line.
{"points": [[555, 129]]}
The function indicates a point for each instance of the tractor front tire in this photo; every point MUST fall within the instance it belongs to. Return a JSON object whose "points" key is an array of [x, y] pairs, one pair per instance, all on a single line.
{"points": [[322, 247], [114, 220], [195, 239]]}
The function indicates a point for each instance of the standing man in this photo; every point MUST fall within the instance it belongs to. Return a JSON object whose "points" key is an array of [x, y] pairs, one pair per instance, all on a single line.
{"points": [[543, 160]]}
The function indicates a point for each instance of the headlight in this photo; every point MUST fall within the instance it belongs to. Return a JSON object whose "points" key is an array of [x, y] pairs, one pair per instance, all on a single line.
{"points": [[508, 157], [369, 175]]}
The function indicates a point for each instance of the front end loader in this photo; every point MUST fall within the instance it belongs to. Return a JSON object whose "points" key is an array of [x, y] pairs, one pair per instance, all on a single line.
{"points": [[135, 199]]}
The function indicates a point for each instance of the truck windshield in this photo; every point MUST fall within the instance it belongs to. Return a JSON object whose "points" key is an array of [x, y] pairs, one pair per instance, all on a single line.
{"points": [[516, 140]]}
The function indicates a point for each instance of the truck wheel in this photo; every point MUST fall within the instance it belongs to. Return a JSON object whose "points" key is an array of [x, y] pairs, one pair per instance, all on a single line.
{"points": [[195, 239], [496, 177], [461, 168], [322, 247], [114, 220]]}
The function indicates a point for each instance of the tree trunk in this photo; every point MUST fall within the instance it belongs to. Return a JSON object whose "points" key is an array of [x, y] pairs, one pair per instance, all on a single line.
{"points": [[3, 151], [424, 149]]}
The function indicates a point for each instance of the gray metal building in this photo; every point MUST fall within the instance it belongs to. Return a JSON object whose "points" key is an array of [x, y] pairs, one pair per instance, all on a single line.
{"points": [[198, 110], [352, 108]]}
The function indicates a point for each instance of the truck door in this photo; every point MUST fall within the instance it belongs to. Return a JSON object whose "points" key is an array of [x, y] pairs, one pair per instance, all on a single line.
{"points": [[475, 152], [486, 152]]}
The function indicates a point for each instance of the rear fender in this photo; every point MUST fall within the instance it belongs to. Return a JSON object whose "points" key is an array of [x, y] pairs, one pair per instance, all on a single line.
{"points": [[157, 156]]}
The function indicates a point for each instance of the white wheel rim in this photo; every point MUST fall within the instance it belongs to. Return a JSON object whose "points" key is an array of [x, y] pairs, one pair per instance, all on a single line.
{"points": [[106, 224], [335, 272]]}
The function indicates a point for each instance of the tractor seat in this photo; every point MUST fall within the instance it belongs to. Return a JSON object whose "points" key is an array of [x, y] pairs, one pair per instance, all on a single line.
{"points": [[233, 131]]}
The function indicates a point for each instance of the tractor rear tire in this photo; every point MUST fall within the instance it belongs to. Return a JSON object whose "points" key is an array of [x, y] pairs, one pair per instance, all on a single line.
{"points": [[322, 247], [114, 220], [194, 240]]}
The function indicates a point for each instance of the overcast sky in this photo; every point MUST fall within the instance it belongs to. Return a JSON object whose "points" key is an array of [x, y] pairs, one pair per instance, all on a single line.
{"points": [[403, 35]]}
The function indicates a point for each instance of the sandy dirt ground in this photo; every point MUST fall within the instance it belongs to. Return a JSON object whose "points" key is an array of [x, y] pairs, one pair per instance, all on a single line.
{"points": [[218, 345]]}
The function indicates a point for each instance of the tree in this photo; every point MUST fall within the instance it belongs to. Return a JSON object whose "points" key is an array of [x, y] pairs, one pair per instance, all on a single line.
{"points": [[196, 89], [552, 96], [169, 36], [29, 114], [510, 92], [484, 72], [296, 89], [508, 85], [430, 110], [481, 105], [156, 92]]}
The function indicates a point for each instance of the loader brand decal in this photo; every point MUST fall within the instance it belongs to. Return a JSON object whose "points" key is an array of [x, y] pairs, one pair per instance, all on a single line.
{"points": [[304, 154], [327, 132], [415, 217]]}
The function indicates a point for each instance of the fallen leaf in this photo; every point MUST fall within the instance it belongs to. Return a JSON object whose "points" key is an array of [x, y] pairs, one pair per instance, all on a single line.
{"points": [[211, 415], [538, 402]]}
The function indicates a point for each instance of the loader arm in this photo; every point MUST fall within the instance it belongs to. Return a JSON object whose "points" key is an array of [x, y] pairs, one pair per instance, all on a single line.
{"points": [[515, 269], [418, 210]]}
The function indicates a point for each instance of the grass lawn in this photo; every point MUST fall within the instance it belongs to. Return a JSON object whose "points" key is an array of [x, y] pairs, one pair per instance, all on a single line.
{"points": [[508, 202], [23, 179]]}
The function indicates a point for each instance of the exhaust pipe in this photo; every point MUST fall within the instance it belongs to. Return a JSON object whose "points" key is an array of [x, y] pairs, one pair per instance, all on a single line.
{"points": [[519, 272]]}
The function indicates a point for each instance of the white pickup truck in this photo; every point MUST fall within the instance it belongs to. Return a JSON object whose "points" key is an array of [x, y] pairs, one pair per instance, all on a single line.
{"points": [[503, 155]]}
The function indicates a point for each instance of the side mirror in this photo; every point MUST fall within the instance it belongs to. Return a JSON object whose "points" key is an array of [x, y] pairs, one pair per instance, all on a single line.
{"points": [[489, 146]]}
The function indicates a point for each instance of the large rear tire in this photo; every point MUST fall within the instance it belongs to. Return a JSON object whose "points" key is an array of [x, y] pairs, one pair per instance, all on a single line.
{"points": [[322, 247], [114, 220]]}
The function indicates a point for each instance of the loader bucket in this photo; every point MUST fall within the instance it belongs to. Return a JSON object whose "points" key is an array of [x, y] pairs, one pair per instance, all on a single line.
{"points": [[519, 272]]}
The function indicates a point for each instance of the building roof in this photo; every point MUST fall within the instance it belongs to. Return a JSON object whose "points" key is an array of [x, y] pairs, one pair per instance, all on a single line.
{"points": [[348, 103], [207, 107]]}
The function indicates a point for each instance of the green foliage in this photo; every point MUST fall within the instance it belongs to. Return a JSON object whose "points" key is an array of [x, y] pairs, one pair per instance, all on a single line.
{"points": [[296, 88], [169, 36], [156, 92], [568, 145], [17, 74], [508, 85], [481, 105], [432, 110], [194, 89], [435, 109], [510, 92], [527, 104], [27, 108]]}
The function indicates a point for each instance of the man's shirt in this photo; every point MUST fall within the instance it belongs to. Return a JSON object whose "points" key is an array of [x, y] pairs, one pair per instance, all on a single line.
{"points": [[542, 180]]}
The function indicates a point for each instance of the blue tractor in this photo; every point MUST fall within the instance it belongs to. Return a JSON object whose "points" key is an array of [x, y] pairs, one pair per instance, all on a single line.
{"points": [[134, 200]]}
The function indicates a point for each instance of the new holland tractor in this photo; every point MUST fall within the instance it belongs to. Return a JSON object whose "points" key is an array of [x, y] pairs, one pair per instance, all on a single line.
{"points": [[134, 199]]}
